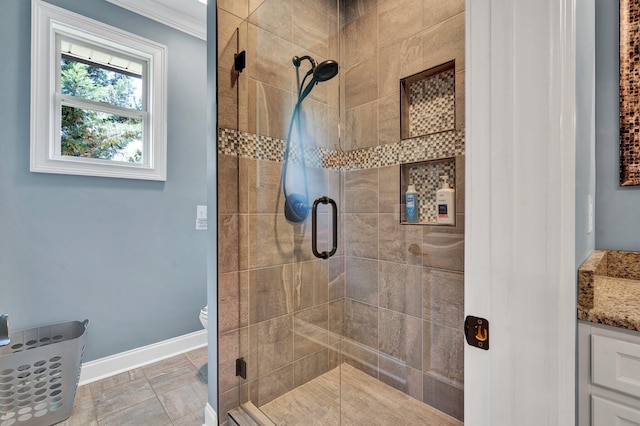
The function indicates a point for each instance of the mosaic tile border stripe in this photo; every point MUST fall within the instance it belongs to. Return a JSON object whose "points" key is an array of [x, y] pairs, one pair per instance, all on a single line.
{"points": [[250, 145], [422, 148]]}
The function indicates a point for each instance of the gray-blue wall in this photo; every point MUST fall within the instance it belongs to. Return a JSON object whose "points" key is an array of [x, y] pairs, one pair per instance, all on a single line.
{"points": [[123, 253], [585, 125], [617, 208]]}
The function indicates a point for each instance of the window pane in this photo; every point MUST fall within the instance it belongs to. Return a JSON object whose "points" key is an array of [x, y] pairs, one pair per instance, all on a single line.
{"points": [[92, 134], [100, 84]]}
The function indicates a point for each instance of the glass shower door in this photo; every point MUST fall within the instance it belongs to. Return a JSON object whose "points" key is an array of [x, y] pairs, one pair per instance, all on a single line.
{"points": [[387, 305], [279, 121]]}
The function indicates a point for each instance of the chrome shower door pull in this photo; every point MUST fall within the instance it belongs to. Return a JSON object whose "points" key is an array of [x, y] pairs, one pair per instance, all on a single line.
{"points": [[314, 228]]}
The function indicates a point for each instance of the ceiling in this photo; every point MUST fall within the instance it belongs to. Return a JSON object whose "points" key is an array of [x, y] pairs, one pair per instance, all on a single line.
{"points": [[188, 16]]}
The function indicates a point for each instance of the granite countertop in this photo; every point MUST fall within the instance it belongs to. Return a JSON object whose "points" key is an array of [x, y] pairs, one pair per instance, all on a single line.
{"points": [[609, 289]]}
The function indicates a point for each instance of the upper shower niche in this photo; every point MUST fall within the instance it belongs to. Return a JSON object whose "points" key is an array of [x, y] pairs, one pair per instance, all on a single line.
{"points": [[427, 102]]}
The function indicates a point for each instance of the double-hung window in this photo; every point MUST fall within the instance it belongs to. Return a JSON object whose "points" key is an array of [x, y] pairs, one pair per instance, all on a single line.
{"points": [[98, 98]]}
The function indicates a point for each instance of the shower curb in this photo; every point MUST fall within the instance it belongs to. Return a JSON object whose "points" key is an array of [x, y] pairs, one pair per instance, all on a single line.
{"points": [[248, 414]]}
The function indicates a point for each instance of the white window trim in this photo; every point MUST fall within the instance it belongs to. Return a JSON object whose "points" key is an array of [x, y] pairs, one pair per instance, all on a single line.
{"points": [[46, 22]]}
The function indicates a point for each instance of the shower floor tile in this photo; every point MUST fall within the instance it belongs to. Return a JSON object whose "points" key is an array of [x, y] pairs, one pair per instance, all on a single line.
{"points": [[365, 401], [169, 392]]}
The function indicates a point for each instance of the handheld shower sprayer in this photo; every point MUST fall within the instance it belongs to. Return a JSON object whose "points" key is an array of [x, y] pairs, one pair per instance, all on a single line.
{"points": [[323, 71], [296, 206]]}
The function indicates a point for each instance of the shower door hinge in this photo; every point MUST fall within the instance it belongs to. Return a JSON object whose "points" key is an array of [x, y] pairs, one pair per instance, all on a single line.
{"points": [[239, 61], [241, 368]]}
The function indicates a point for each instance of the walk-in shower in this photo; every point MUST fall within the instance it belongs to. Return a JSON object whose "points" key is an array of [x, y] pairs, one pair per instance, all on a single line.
{"points": [[369, 331], [296, 205]]}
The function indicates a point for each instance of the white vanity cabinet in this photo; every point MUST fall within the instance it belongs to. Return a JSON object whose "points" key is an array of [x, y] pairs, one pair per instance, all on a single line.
{"points": [[608, 375]]}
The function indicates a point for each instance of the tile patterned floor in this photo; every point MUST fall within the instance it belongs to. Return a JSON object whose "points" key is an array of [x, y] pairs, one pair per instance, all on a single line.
{"points": [[174, 392], [347, 396], [169, 392]]}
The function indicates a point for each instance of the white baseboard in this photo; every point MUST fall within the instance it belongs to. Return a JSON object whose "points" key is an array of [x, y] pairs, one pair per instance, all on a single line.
{"points": [[119, 363], [210, 416]]}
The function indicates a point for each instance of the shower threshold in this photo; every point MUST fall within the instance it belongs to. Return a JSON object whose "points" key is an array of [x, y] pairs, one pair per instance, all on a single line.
{"points": [[344, 395]]}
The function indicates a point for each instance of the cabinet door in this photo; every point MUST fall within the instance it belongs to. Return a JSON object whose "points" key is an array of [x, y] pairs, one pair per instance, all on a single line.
{"points": [[610, 413], [616, 364]]}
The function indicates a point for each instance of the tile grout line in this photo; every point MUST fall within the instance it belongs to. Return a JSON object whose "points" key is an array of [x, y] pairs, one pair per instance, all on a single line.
{"points": [[155, 394], [158, 396]]}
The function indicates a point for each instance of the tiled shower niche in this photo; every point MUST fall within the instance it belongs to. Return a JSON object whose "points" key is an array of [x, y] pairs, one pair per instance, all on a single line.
{"points": [[427, 102], [425, 175]]}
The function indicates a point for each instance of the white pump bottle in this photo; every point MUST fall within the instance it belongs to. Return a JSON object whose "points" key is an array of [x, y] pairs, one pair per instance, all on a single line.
{"points": [[446, 203]]}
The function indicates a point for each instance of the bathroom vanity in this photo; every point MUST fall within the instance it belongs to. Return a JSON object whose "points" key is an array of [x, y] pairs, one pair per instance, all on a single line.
{"points": [[609, 338]]}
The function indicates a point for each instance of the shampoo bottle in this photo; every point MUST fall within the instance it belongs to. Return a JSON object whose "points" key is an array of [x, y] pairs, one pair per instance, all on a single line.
{"points": [[446, 203], [411, 199]]}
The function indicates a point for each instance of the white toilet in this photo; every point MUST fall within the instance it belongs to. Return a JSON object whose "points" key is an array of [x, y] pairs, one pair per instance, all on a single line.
{"points": [[204, 314]]}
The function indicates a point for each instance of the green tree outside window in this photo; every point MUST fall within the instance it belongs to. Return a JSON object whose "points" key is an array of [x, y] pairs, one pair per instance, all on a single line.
{"points": [[94, 134]]}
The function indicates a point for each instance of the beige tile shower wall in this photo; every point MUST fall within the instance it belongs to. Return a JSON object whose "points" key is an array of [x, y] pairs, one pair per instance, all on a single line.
{"points": [[404, 287], [383, 42], [260, 100], [404, 284], [279, 307]]}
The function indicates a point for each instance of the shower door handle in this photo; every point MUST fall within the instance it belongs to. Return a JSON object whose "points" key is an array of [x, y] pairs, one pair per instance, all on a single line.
{"points": [[314, 228]]}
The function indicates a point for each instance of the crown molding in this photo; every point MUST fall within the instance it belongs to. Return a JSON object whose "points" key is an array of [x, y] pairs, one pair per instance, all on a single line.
{"points": [[191, 22]]}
